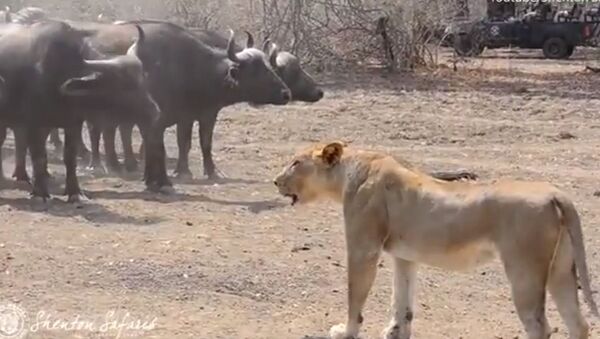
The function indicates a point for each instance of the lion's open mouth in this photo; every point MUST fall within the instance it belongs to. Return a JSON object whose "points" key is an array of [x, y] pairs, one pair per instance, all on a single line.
{"points": [[294, 198]]}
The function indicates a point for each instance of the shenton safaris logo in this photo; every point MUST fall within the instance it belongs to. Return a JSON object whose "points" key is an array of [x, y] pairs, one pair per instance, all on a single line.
{"points": [[13, 322]]}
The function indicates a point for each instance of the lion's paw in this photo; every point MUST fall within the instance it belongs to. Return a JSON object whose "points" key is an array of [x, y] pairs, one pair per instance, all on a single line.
{"points": [[339, 332], [395, 331]]}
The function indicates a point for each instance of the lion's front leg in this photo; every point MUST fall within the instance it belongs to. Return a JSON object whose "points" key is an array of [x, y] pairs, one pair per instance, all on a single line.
{"points": [[405, 276], [362, 268]]}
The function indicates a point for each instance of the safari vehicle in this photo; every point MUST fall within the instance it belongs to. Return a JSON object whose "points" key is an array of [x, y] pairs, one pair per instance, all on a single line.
{"points": [[557, 34]]}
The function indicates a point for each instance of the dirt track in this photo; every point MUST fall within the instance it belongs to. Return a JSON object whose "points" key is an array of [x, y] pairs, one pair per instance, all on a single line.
{"points": [[234, 260]]}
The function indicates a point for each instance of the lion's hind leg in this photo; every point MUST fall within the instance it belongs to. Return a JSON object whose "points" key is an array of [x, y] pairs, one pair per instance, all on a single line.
{"points": [[562, 284], [526, 262], [529, 296]]}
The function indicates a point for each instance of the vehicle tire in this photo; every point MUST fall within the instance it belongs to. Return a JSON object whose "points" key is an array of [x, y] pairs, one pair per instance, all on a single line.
{"points": [[555, 48]]}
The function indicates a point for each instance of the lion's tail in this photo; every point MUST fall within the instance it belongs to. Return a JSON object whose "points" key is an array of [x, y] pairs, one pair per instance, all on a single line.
{"points": [[569, 218]]}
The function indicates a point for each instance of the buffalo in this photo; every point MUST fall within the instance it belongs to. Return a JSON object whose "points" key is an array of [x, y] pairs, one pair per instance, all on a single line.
{"points": [[26, 16], [188, 77], [51, 84], [287, 66]]}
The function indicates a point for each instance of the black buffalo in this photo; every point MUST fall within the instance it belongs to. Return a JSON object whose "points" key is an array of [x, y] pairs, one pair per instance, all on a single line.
{"points": [[49, 84], [188, 77], [287, 66], [26, 16]]}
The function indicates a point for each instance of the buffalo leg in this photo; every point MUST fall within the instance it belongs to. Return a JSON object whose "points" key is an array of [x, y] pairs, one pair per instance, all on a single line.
{"points": [[156, 159], [55, 140], [108, 135], [205, 130], [126, 131], [454, 176], [21, 142], [72, 189], [2, 139], [37, 147], [184, 143], [95, 162], [146, 132]]}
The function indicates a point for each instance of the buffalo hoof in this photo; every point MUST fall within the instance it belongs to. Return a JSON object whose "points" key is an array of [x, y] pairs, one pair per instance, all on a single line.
{"points": [[168, 190], [96, 169], [164, 189], [39, 198], [77, 198], [185, 175], [21, 177], [216, 175]]}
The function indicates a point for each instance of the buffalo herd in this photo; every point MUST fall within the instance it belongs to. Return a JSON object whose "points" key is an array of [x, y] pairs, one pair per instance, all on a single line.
{"points": [[151, 74], [145, 73]]}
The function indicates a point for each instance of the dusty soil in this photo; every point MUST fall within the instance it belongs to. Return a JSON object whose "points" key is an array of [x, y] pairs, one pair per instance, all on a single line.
{"points": [[234, 260]]}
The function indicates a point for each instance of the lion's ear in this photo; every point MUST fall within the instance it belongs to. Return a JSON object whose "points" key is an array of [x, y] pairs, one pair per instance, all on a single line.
{"points": [[332, 153]]}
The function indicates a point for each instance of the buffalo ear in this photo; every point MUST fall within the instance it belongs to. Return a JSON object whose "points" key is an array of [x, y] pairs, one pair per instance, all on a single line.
{"points": [[332, 153], [80, 86]]}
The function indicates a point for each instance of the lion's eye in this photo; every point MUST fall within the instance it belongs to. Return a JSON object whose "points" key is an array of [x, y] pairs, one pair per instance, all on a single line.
{"points": [[295, 163]]}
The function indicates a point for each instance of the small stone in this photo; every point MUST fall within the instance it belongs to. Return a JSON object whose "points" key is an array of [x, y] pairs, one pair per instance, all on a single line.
{"points": [[300, 248], [566, 135]]}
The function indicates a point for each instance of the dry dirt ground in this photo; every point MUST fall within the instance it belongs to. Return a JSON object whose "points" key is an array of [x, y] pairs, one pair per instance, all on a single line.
{"points": [[234, 260]]}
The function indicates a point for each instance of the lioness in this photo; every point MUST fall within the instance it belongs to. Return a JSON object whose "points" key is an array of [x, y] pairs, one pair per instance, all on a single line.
{"points": [[417, 218]]}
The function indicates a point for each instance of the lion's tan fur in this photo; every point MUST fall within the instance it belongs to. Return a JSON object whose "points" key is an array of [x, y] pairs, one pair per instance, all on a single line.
{"points": [[417, 219]]}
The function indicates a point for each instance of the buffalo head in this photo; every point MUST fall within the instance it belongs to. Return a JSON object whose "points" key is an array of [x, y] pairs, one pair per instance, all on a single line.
{"points": [[303, 86], [120, 79], [251, 73]]}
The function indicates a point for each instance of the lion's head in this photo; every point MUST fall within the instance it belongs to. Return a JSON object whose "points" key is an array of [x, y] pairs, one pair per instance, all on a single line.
{"points": [[311, 174]]}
